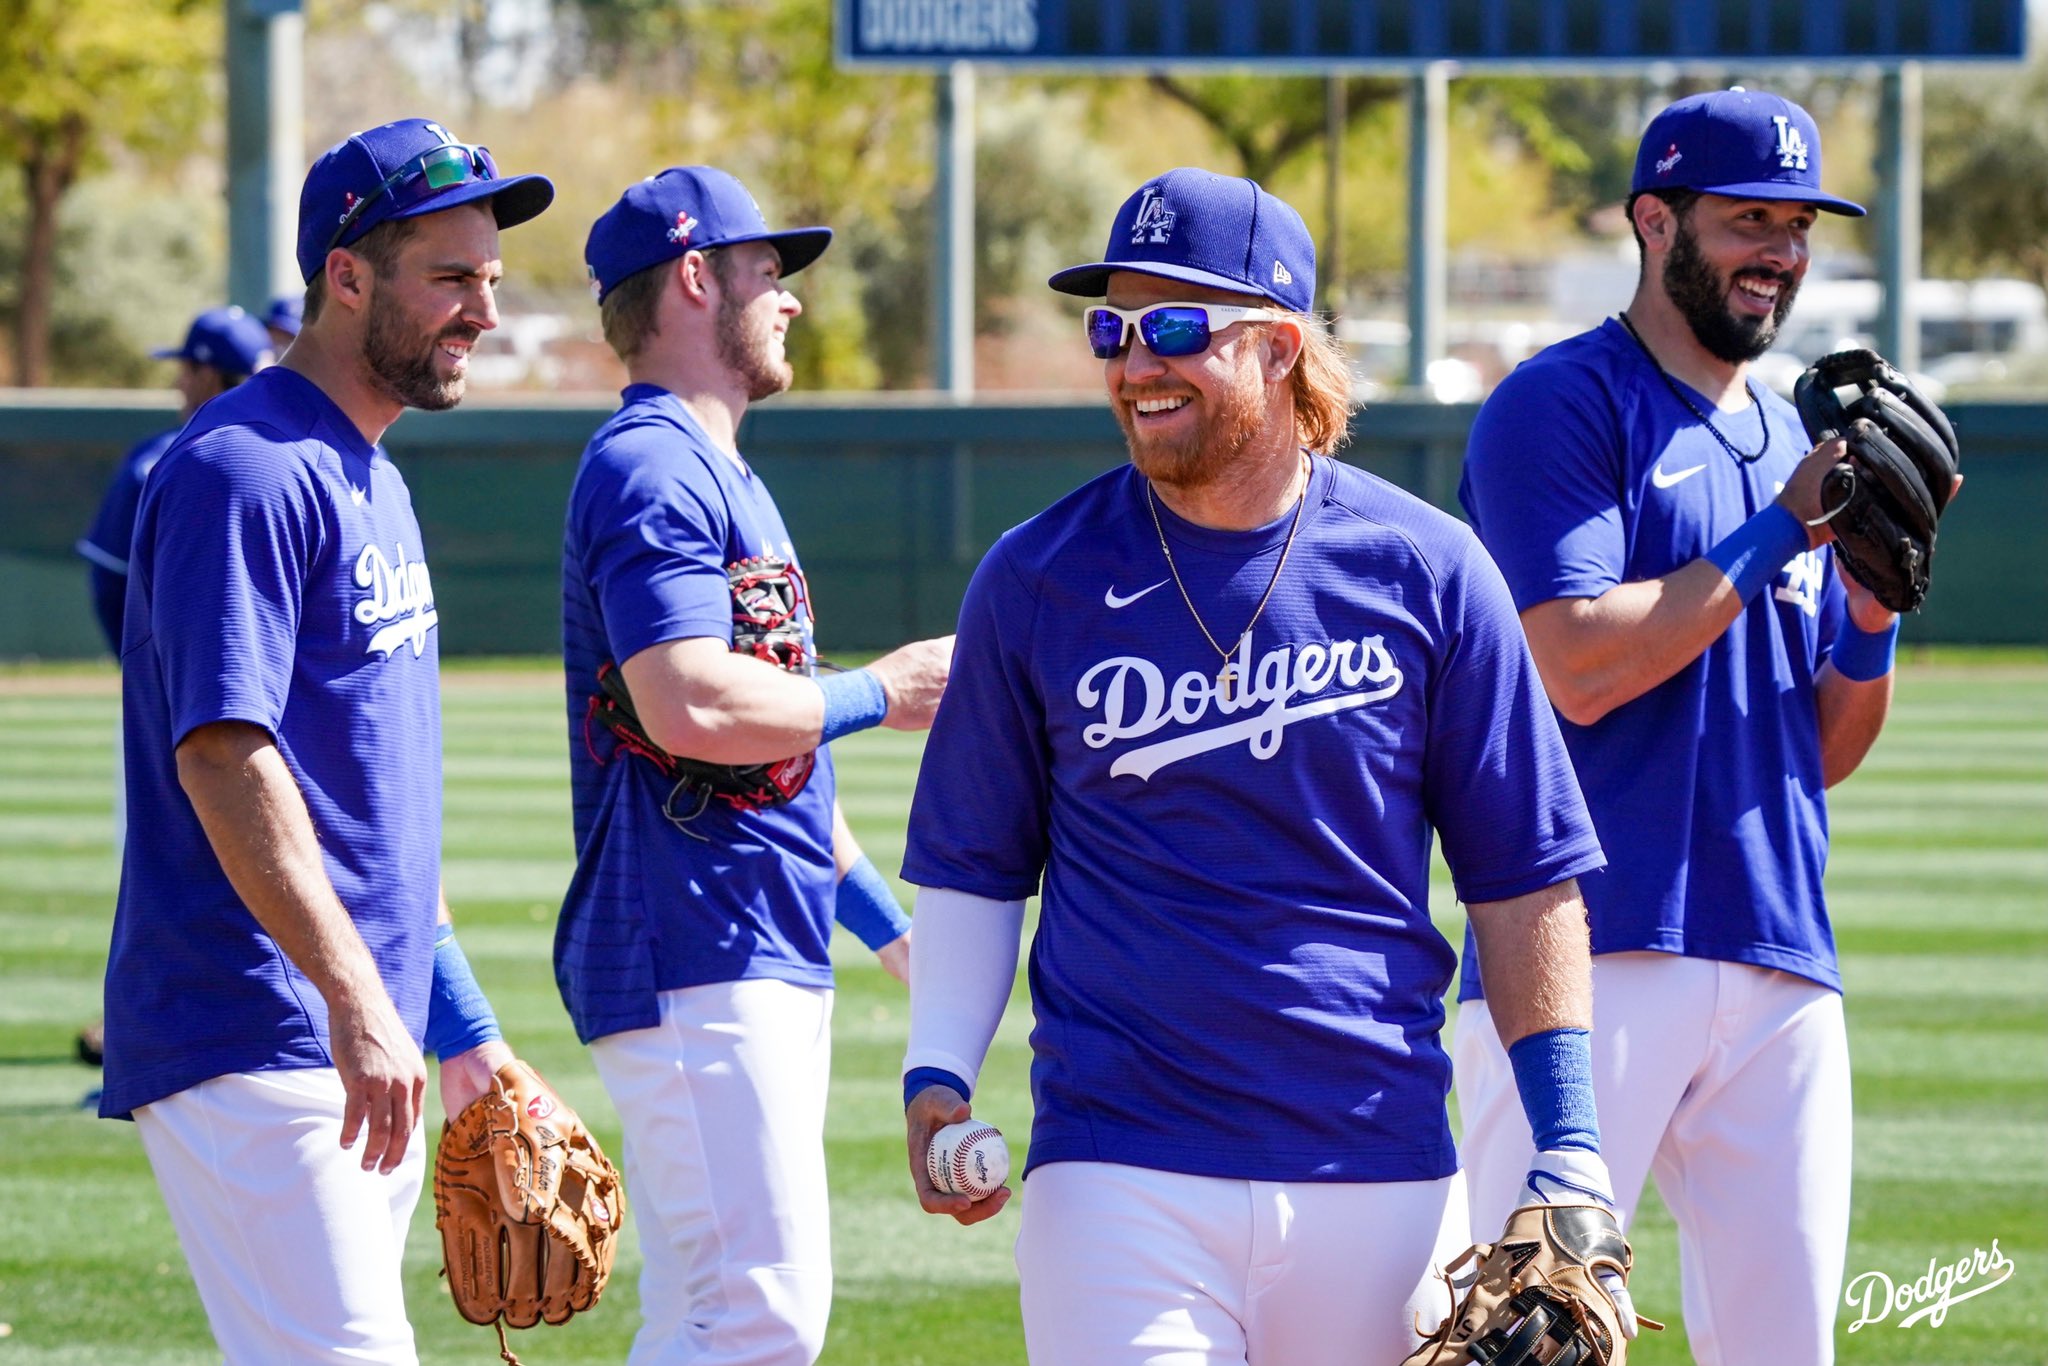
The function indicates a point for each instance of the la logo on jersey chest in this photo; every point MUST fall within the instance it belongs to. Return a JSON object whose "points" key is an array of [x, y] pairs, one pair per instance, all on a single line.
{"points": [[398, 601]]}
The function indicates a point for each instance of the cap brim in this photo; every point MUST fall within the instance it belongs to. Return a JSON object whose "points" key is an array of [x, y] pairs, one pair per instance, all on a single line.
{"points": [[514, 199], [1092, 282], [1780, 191], [797, 247], [168, 353]]}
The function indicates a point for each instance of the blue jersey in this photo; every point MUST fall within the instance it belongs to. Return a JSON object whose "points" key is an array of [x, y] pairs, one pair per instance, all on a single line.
{"points": [[277, 579], [105, 546], [656, 515], [1585, 471], [1234, 972]]}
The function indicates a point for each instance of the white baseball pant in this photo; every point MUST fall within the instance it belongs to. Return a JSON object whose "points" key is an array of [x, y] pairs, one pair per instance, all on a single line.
{"points": [[1730, 1084], [296, 1250], [1126, 1266], [723, 1108]]}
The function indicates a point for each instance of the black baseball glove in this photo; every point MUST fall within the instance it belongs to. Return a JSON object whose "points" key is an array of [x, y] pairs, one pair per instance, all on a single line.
{"points": [[767, 592], [1885, 500]]}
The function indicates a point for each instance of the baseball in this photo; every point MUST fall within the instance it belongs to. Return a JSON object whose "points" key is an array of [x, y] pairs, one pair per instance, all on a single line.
{"points": [[968, 1159]]}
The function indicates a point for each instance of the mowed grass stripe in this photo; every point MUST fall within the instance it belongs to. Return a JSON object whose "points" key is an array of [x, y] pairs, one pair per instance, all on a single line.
{"points": [[1936, 888]]}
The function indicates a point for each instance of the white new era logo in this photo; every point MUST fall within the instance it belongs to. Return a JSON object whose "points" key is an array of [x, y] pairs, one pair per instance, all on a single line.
{"points": [[1281, 275]]}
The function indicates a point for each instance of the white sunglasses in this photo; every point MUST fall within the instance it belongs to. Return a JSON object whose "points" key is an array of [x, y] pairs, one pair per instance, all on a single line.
{"points": [[1169, 329]]}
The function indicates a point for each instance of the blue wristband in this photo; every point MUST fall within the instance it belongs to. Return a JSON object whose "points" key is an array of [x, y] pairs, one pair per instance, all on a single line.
{"points": [[867, 907], [1752, 554], [1554, 1073], [917, 1078], [1860, 655], [854, 700], [458, 1014]]}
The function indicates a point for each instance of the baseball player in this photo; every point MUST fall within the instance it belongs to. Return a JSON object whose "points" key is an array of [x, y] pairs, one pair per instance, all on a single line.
{"points": [[281, 947], [1657, 516], [285, 316], [223, 347], [692, 946], [1211, 708]]}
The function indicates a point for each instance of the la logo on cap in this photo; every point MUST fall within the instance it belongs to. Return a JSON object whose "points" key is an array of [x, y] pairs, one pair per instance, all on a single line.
{"points": [[1154, 222], [1791, 146]]}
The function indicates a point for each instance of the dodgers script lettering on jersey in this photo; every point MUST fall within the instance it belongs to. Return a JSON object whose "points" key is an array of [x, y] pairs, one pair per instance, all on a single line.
{"points": [[1135, 699], [278, 580], [1716, 848], [1235, 972], [656, 514], [400, 601]]}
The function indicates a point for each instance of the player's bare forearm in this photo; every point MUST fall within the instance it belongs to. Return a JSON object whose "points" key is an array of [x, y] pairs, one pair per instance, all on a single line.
{"points": [[1536, 954], [256, 820], [698, 699], [1595, 654], [845, 848], [1851, 716]]}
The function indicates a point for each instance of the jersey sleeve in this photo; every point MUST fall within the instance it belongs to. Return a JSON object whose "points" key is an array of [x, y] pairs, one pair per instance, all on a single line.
{"points": [[1498, 784], [1542, 482], [655, 532], [980, 818], [228, 536]]}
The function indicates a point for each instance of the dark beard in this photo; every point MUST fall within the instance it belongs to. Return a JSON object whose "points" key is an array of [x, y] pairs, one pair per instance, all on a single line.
{"points": [[1207, 454], [750, 355], [404, 370], [1701, 295]]}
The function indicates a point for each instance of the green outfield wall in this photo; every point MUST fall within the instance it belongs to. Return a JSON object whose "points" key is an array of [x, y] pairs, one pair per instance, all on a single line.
{"points": [[891, 498]]}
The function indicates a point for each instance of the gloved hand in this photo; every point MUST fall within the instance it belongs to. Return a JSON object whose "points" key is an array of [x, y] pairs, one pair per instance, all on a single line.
{"points": [[1573, 1176]]}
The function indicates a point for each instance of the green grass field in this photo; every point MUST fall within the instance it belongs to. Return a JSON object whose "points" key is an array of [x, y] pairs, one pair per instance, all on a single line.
{"points": [[1940, 890]]}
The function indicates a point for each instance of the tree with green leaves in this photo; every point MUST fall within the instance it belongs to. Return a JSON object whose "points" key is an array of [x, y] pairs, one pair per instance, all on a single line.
{"points": [[79, 78], [1985, 174]]}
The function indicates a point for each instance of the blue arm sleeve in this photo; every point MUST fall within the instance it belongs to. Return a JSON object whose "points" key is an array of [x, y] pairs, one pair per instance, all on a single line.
{"points": [[917, 1078], [459, 1016], [1554, 1074], [867, 907]]}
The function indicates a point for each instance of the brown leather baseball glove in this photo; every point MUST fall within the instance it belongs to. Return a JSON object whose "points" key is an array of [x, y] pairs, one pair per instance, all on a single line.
{"points": [[1535, 1296], [528, 1206]]}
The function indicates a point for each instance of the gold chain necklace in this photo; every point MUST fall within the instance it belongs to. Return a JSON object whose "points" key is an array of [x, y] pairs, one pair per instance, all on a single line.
{"points": [[1226, 677]]}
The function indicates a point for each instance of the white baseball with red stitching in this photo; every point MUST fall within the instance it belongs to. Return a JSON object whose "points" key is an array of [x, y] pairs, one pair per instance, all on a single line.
{"points": [[968, 1159]]}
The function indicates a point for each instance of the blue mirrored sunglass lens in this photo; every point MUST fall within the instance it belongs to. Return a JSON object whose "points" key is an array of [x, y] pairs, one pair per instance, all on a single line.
{"points": [[1175, 331], [1105, 333]]}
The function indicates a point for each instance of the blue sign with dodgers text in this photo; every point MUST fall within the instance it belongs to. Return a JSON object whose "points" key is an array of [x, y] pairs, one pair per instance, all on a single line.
{"points": [[1138, 34]]}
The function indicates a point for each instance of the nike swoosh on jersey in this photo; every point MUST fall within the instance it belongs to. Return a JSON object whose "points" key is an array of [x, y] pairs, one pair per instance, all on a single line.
{"points": [[1676, 477], [1113, 602]]}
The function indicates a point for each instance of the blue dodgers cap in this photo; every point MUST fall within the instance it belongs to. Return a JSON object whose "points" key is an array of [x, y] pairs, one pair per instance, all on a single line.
{"points": [[686, 208], [227, 339], [287, 314], [1207, 229], [1744, 144], [358, 168]]}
